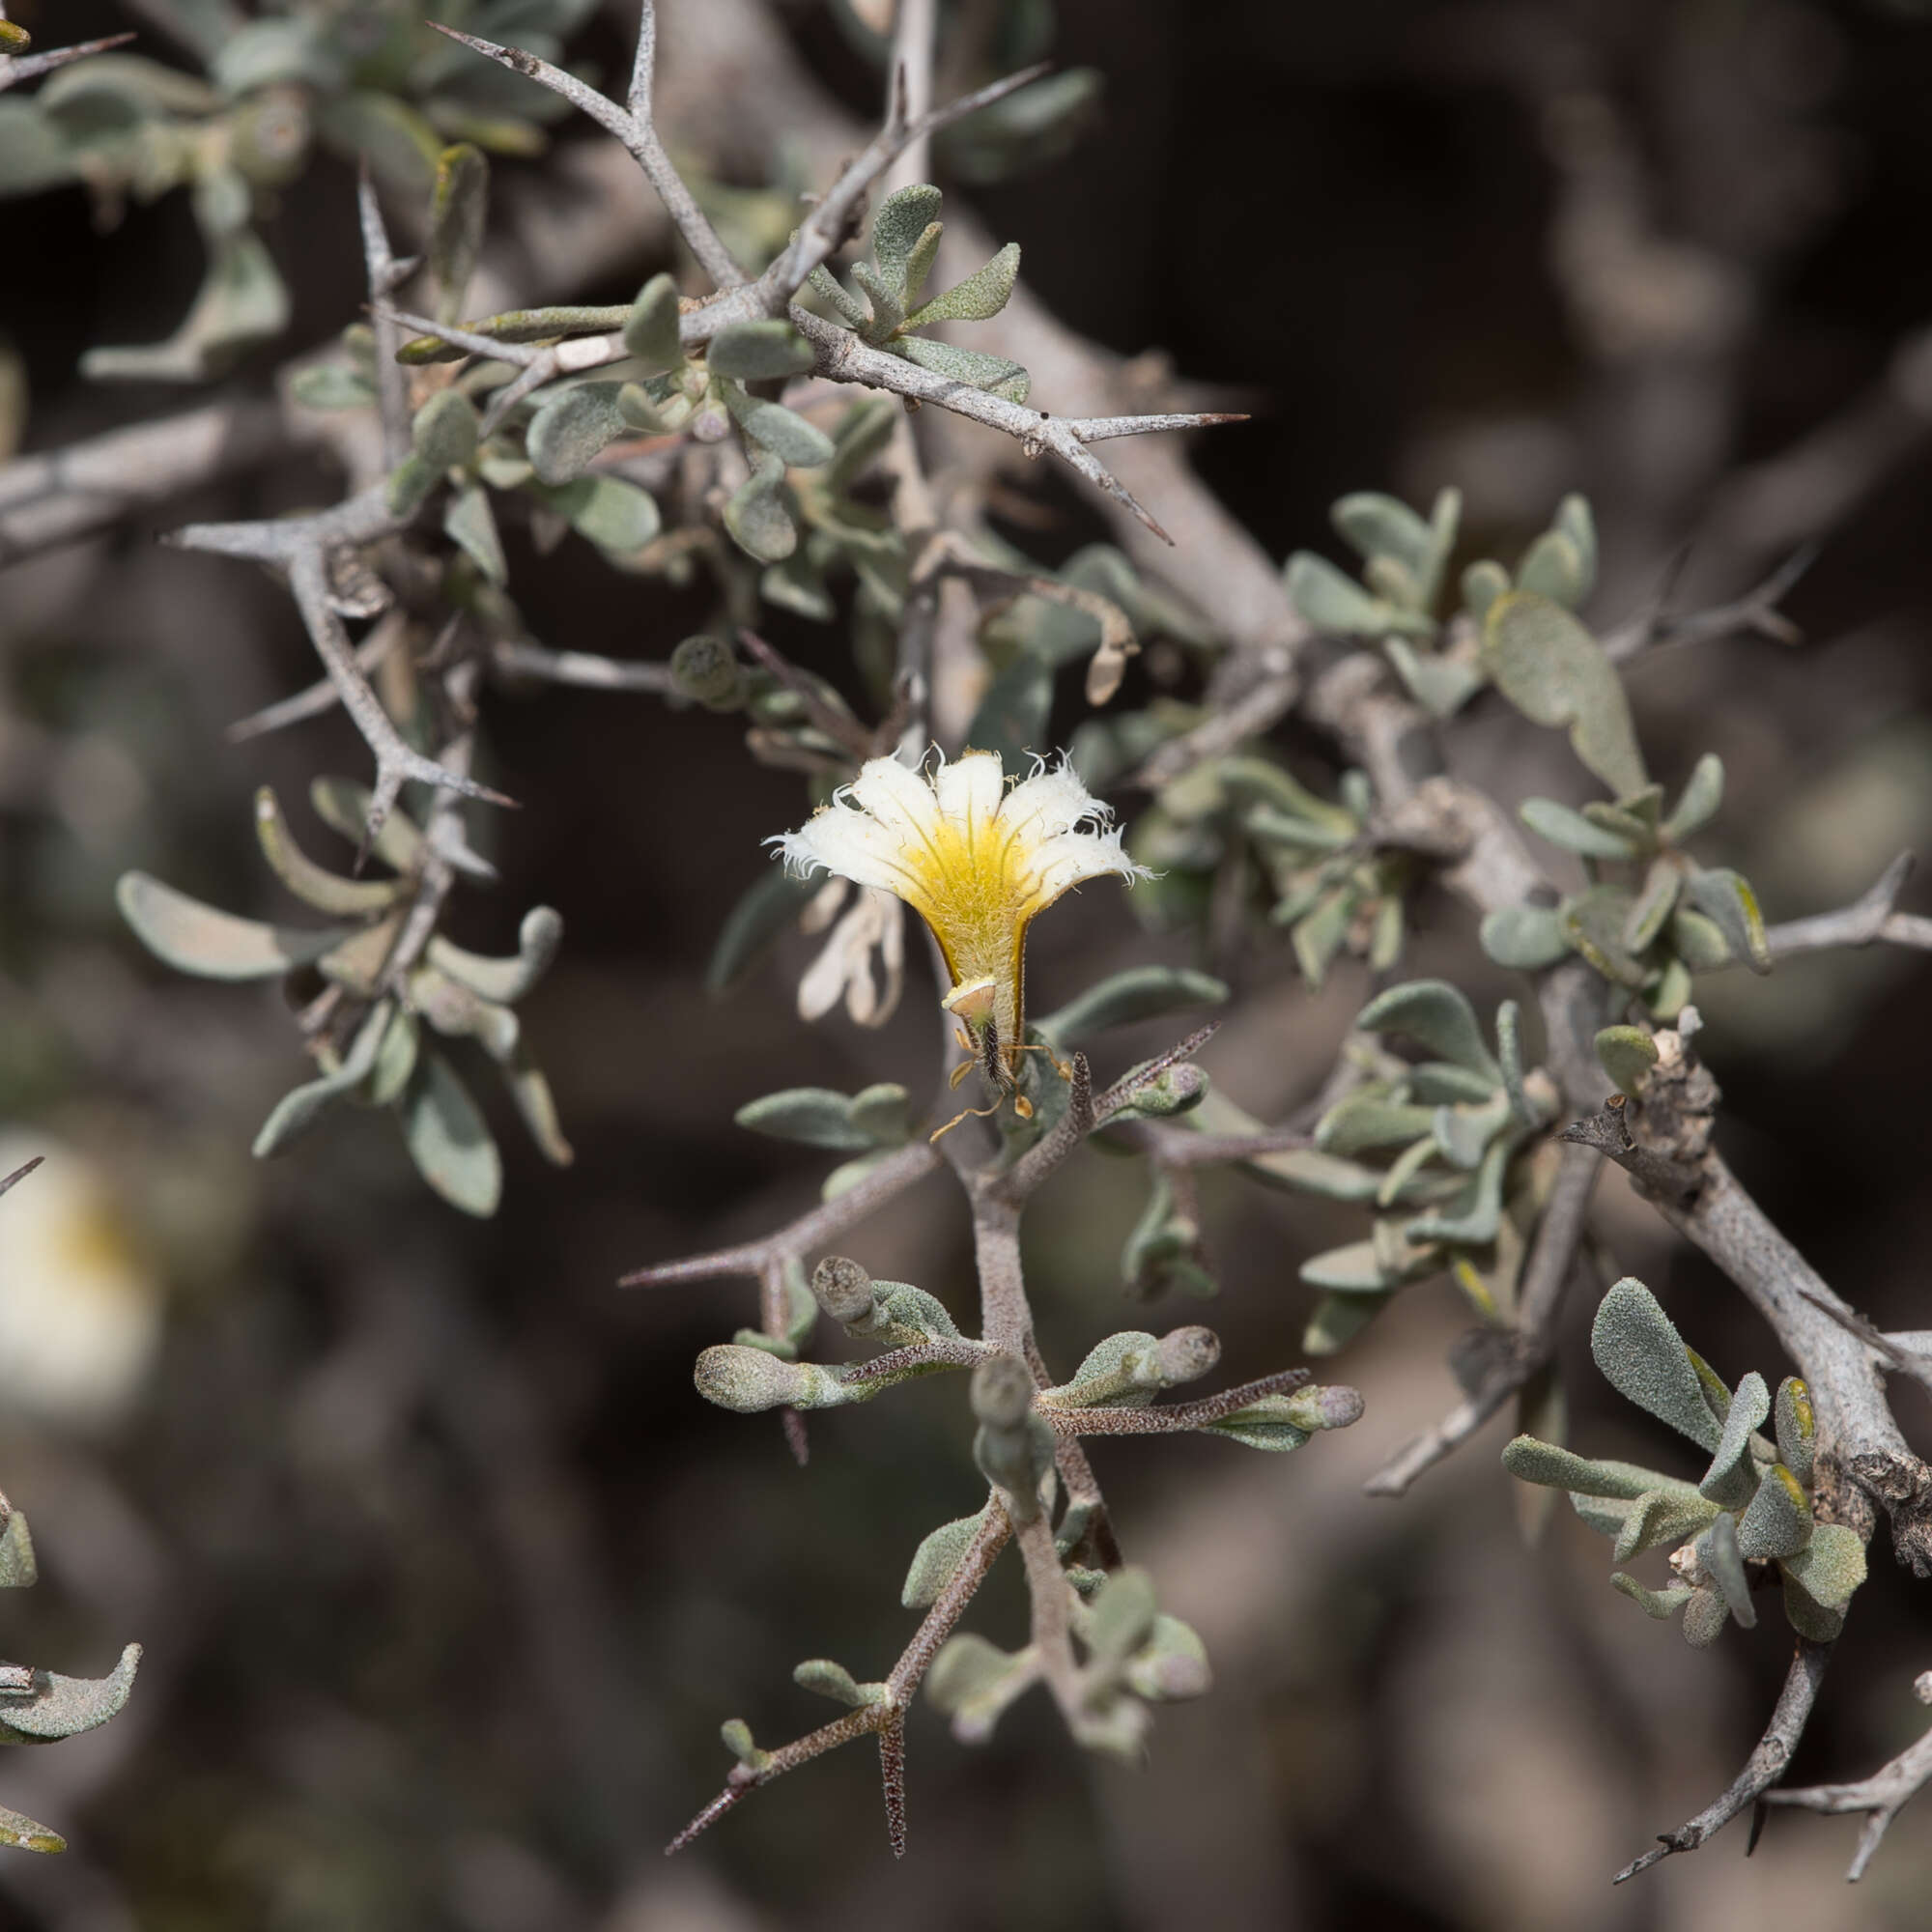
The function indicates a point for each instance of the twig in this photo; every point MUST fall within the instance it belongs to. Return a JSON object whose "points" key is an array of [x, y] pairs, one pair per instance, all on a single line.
{"points": [[843, 357], [1755, 610], [322, 695], [1883, 1795], [1052, 1634], [892, 1175], [1868, 918], [17, 68], [1171, 1418], [385, 276], [887, 1718], [1906, 1353], [841, 726], [511, 657], [634, 126], [1762, 1769], [1525, 1351], [18, 1175]]}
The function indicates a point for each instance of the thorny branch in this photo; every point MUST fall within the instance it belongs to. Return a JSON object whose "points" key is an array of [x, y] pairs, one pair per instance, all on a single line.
{"points": [[1762, 1769], [1881, 1797]]}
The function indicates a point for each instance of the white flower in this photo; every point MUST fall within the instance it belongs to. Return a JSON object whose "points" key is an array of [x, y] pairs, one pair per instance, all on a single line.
{"points": [[975, 859], [844, 965]]}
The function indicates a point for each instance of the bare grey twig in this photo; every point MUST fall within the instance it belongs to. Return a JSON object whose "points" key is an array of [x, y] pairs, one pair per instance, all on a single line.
{"points": [[1762, 1769], [16, 68], [1881, 1797]]}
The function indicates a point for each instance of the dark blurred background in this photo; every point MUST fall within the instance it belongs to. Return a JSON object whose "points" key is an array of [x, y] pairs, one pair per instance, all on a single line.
{"points": [[446, 1577]]}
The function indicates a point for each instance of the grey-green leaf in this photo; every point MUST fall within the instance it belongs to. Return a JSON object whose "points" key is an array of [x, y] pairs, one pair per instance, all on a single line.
{"points": [[796, 443], [1725, 897], [20, 1832], [1556, 1468], [448, 1140], [445, 432], [896, 228], [613, 514], [1797, 1427], [17, 1567], [1526, 937], [993, 374], [1779, 1521], [1717, 1549], [1831, 1567], [1139, 993], [1658, 1516], [1571, 830], [1556, 673], [470, 523], [1703, 794], [756, 515], [757, 352], [195, 938], [61, 1707], [505, 980], [570, 429], [295, 1112], [458, 212], [1435, 1014], [1643, 1358], [1332, 602], [814, 1115], [1659, 1603], [937, 1559], [1731, 1478], [1628, 1054], [650, 332], [983, 294]]}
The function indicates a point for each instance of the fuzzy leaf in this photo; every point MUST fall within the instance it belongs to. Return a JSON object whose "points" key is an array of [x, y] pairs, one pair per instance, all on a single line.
{"points": [[1483, 582], [1796, 1428], [1435, 1014], [458, 212], [1526, 937], [295, 1112], [1362, 1269], [329, 385], [1655, 904], [1335, 603], [1138, 993], [1808, 1617], [982, 295], [17, 1567], [1779, 1521], [1571, 831], [650, 330], [504, 980], [758, 352], [937, 1558], [896, 228], [973, 1681], [1371, 1120], [326, 890], [444, 431], [1726, 899], [614, 515], [827, 1679], [1337, 1320], [1831, 1567], [343, 806], [1473, 1217], [1555, 673], [1658, 1604], [1594, 921], [447, 1138], [1660, 1516], [569, 430], [993, 374], [1628, 1054], [1534, 1461], [25, 1835], [1731, 1478], [1705, 1615], [1441, 685], [470, 523], [814, 1115], [1717, 1550], [1552, 567], [756, 515], [1643, 1358], [62, 1707], [193, 938], [1261, 1425], [1698, 942], [787, 435]]}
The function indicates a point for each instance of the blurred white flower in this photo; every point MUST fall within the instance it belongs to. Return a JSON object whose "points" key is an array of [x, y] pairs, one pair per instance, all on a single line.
{"points": [[81, 1317], [975, 859], [844, 964]]}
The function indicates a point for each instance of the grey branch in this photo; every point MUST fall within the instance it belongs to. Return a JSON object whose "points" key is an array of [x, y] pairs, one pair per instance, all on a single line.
{"points": [[1762, 1769], [1523, 1350], [1867, 918], [1882, 1796], [515, 657], [301, 546], [385, 276], [634, 126], [17, 68], [1662, 1137], [842, 358], [1755, 610], [892, 1175], [884, 1719]]}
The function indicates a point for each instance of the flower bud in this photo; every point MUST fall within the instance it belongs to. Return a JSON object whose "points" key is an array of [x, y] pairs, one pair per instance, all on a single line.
{"points": [[1185, 1355], [705, 669], [842, 1288], [1002, 1391], [1317, 1408]]}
